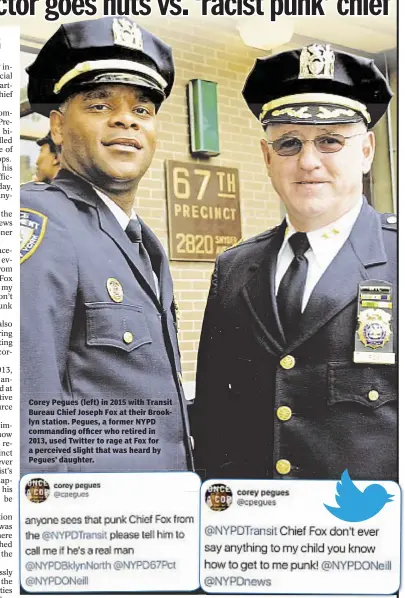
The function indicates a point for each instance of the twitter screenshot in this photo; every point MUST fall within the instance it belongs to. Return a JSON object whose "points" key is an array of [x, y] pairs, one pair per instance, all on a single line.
{"points": [[109, 532], [276, 536], [165, 531]]}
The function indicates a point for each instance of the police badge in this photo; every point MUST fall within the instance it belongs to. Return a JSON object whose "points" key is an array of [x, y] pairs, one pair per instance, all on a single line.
{"points": [[317, 62], [374, 328], [373, 338], [115, 290], [127, 33]]}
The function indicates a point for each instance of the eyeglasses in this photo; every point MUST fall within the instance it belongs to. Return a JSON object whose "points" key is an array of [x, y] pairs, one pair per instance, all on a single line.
{"points": [[326, 144]]}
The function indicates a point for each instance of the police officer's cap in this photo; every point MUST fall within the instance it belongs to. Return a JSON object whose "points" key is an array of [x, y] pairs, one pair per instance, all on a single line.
{"points": [[55, 149], [88, 53], [47, 139], [316, 85]]}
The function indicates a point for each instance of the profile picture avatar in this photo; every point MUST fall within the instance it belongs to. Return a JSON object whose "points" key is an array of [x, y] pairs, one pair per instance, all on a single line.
{"points": [[218, 497], [37, 490]]}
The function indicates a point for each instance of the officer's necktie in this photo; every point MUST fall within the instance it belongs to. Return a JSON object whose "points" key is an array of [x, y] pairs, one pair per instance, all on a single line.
{"points": [[291, 289], [134, 232]]}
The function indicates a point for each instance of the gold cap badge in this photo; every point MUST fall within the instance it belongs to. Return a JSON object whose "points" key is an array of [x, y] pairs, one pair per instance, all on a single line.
{"points": [[127, 33], [317, 62]]}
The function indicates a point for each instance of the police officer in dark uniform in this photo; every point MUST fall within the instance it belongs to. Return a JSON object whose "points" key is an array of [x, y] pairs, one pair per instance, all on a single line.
{"points": [[48, 161], [100, 368], [296, 368]]}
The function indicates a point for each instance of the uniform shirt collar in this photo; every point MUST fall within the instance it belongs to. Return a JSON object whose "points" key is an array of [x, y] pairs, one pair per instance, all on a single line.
{"points": [[328, 240], [120, 215]]}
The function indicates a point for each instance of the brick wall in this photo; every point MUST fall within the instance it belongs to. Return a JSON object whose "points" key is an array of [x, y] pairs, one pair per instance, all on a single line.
{"points": [[205, 50]]}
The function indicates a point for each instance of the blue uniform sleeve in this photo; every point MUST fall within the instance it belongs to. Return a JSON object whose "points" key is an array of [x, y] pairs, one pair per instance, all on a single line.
{"points": [[49, 280], [208, 415]]}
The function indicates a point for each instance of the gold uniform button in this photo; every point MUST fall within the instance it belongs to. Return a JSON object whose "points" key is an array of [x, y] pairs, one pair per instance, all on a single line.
{"points": [[284, 413], [287, 362], [373, 395], [128, 337], [283, 466]]}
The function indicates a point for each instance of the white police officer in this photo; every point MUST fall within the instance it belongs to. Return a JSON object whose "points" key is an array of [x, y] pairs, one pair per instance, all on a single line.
{"points": [[296, 369], [100, 368]]}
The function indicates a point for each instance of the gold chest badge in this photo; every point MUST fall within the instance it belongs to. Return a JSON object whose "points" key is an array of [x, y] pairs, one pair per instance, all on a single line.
{"points": [[374, 328], [115, 290], [373, 341]]}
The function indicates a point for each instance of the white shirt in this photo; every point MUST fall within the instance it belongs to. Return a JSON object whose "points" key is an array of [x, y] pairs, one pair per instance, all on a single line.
{"points": [[325, 243], [123, 221]]}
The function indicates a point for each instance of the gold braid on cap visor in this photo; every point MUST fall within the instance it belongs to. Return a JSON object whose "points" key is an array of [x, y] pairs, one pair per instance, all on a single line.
{"points": [[316, 98], [109, 65]]}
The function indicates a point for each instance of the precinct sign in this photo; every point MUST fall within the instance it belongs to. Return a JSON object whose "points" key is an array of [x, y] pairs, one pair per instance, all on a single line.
{"points": [[203, 210]]}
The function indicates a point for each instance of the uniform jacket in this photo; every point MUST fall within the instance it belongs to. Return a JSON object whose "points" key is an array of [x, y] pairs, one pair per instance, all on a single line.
{"points": [[77, 362], [241, 381]]}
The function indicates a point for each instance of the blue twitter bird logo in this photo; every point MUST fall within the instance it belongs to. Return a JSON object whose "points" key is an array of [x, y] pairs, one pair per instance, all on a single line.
{"points": [[355, 505]]}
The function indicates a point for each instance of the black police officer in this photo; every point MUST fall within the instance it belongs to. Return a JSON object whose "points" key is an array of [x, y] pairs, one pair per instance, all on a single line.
{"points": [[100, 366]]}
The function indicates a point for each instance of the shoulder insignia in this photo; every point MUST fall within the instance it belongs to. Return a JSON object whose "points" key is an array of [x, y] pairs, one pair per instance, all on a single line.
{"points": [[32, 231], [257, 238], [389, 221], [235, 244]]}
